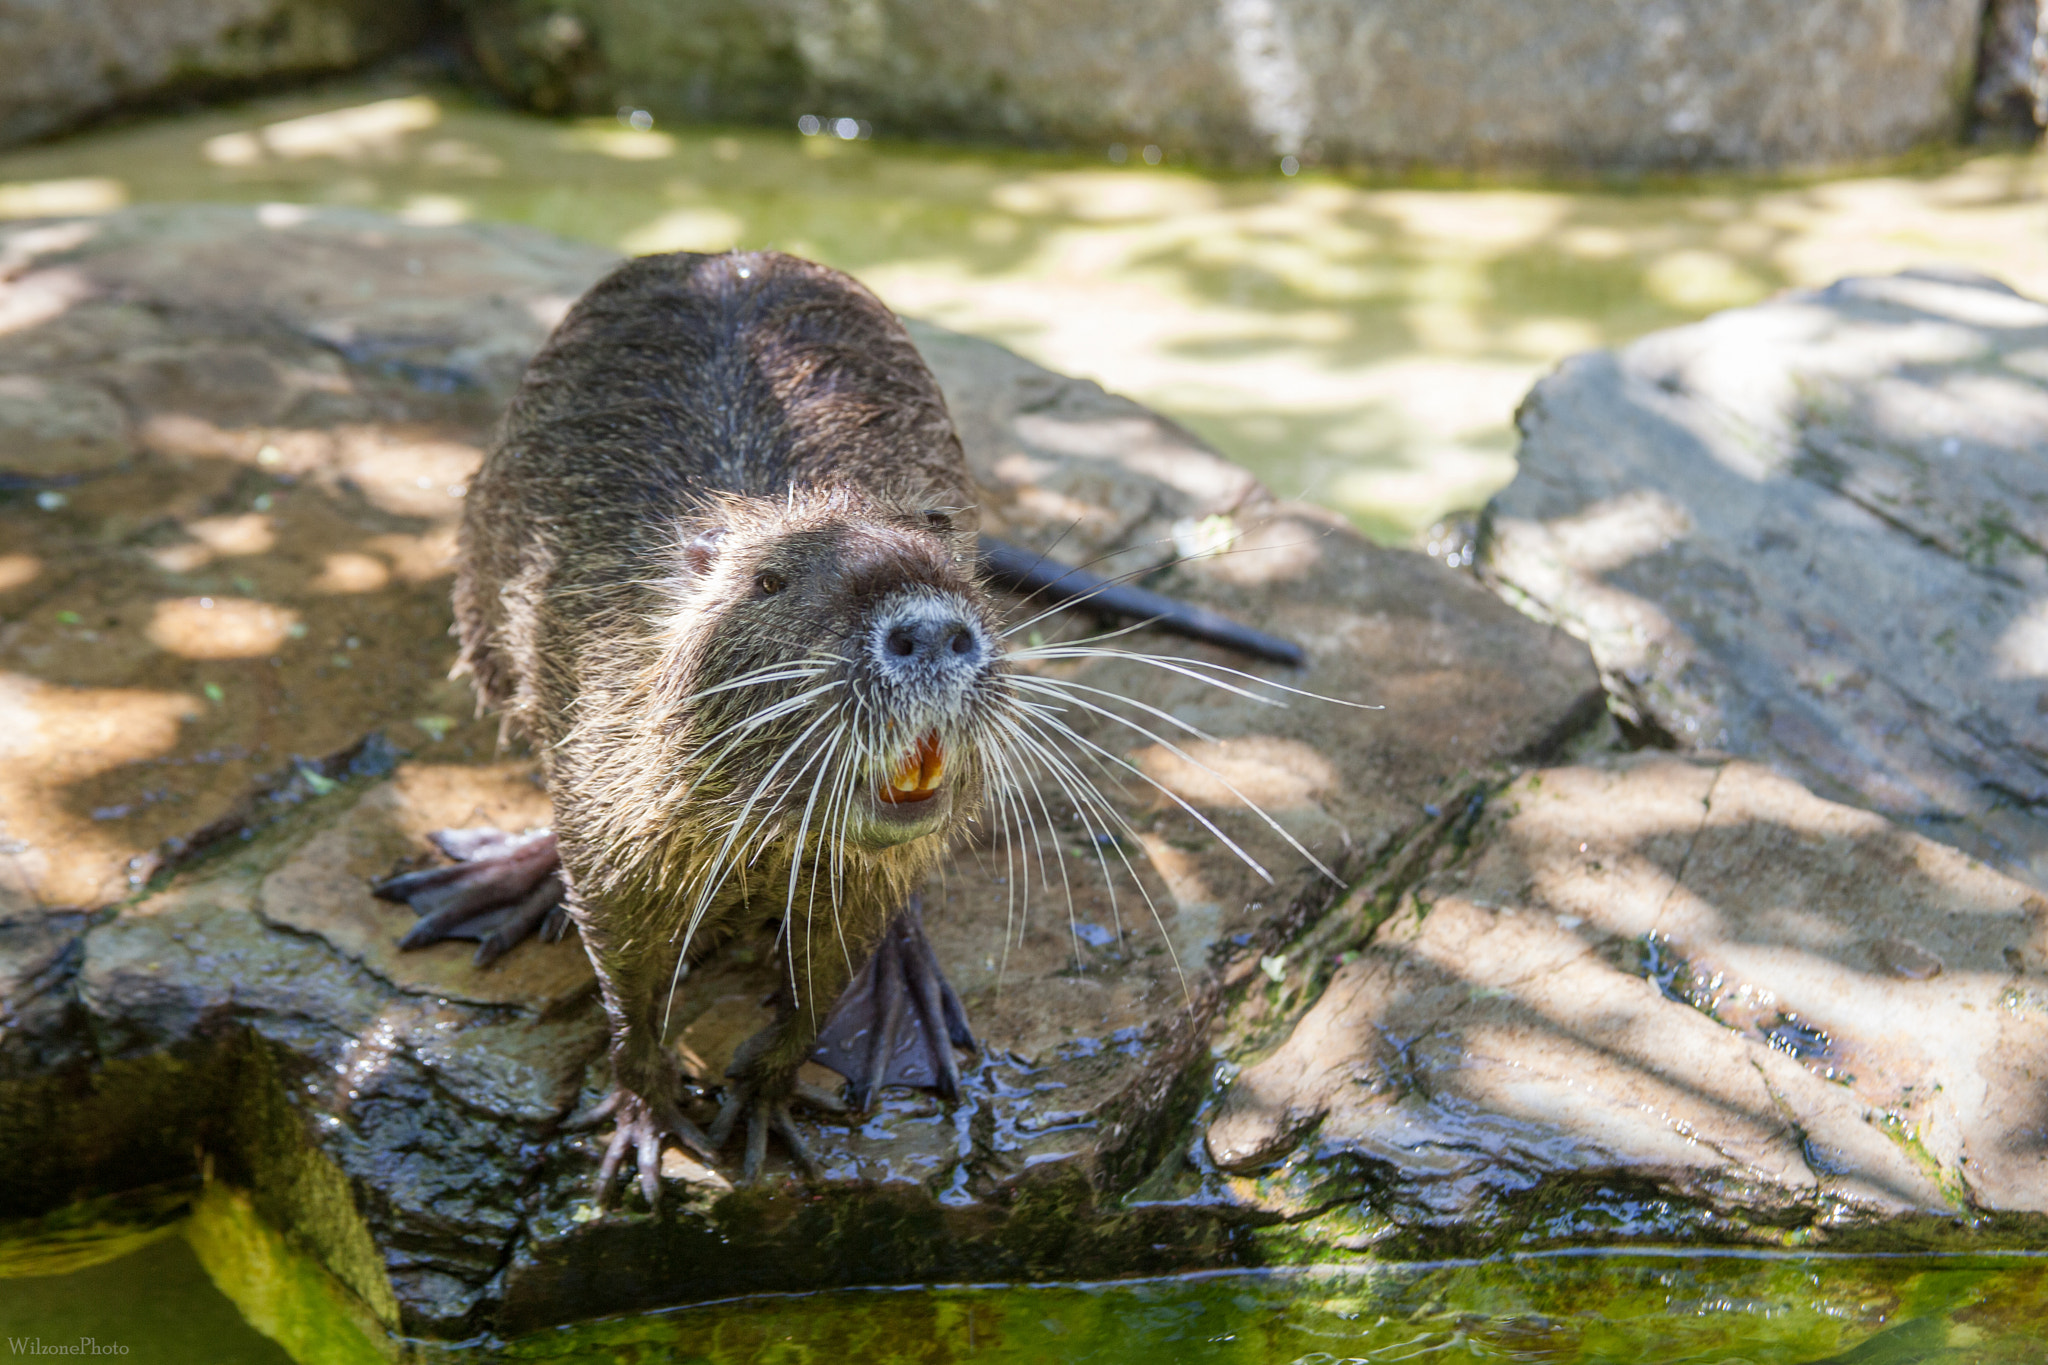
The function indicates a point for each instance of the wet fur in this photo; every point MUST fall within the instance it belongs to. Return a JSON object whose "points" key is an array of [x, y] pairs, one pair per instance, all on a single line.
{"points": [[597, 600]]}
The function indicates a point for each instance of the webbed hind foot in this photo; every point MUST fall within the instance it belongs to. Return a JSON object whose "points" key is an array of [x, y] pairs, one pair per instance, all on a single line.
{"points": [[500, 889], [898, 1020]]}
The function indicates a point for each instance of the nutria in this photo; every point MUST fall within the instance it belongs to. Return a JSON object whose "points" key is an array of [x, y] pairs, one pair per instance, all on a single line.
{"points": [[720, 567]]}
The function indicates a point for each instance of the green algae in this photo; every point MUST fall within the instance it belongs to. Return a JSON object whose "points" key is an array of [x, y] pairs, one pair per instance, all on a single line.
{"points": [[1674, 1308], [281, 1289]]}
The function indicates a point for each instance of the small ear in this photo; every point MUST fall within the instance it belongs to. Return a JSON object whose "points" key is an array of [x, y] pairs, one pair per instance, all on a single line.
{"points": [[700, 550]]}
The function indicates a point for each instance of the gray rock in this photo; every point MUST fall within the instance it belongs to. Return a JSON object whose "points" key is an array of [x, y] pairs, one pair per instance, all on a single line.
{"points": [[1618, 83], [2011, 88], [63, 63], [1662, 998], [298, 395], [1812, 532]]}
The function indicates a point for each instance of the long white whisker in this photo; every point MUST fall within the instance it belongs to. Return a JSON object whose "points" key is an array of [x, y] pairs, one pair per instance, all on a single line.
{"points": [[1107, 811], [1048, 688], [704, 897], [1175, 663], [1186, 757], [1105, 755]]}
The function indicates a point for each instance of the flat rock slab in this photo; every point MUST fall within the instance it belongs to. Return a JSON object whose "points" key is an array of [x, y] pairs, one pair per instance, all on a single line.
{"points": [[1666, 997], [243, 442], [1814, 532]]}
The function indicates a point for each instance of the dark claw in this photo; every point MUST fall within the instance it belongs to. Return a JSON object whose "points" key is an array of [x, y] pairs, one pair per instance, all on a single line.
{"points": [[898, 1020], [763, 1115], [642, 1124], [532, 912], [502, 889]]}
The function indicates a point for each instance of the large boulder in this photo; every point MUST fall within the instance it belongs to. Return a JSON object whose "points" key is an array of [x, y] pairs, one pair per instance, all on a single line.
{"points": [[1617, 83], [63, 63], [238, 446], [1812, 532], [1667, 998]]}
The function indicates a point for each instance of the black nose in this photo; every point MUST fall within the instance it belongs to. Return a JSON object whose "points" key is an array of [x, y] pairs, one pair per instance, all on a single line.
{"points": [[930, 638], [923, 637]]}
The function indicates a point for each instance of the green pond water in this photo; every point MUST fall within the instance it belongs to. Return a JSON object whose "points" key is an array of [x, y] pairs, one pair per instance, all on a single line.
{"points": [[1357, 343], [1361, 344], [1657, 1308]]}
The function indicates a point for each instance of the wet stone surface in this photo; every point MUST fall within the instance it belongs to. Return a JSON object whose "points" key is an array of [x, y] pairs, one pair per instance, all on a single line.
{"points": [[223, 581]]}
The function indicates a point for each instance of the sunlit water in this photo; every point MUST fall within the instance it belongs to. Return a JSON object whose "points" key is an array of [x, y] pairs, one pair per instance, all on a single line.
{"points": [[1361, 345]]}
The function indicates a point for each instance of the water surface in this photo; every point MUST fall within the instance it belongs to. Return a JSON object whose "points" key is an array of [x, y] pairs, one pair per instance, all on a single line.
{"points": [[1361, 344], [1669, 1308]]}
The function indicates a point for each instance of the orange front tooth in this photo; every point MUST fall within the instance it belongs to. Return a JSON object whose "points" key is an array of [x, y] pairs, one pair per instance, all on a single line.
{"points": [[917, 774]]}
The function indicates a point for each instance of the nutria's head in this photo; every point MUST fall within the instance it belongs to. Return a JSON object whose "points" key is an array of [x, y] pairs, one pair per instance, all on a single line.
{"points": [[835, 665]]}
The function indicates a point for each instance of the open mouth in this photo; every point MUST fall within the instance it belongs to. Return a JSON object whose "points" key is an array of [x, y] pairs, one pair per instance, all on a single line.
{"points": [[918, 775]]}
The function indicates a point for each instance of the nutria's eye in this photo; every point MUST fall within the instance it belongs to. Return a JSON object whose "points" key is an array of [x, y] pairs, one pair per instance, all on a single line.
{"points": [[771, 583], [938, 520]]}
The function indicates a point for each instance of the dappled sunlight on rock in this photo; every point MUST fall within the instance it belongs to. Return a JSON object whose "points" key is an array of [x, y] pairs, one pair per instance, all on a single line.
{"points": [[409, 477], [1274, 774], [1196, 913], [1682, 972], [251, 533], [1610, 533], [348, 571], [2022, 652], [52, 738], [220, 628], [59, 428], [32, 299], [1837, 575], [421, 558]]}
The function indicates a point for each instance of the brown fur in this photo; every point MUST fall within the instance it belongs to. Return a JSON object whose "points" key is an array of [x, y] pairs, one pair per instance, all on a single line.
{"points": [[777, 400]]}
